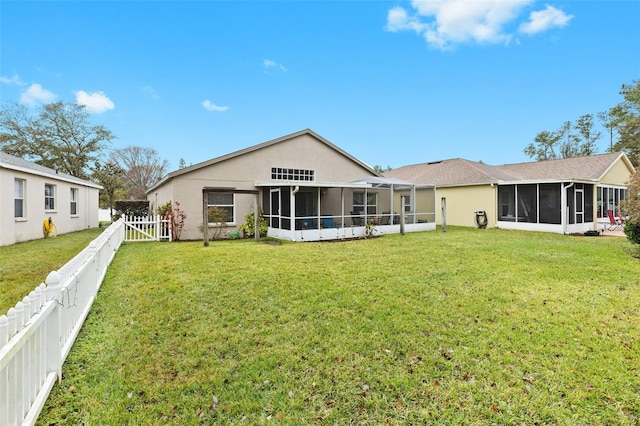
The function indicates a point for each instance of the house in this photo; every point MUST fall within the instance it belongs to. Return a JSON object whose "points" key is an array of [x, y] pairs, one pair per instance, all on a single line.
{"points": [[570, 195], [36, 193], [307, 187]]}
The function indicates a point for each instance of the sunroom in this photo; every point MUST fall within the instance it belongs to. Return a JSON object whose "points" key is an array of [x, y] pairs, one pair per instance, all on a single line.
{"points": [[564, 207], [320, 211]]}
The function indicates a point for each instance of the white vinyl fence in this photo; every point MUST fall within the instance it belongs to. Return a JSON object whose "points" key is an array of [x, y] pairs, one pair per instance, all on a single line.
{"points": [[150, 228], [37, 334]]}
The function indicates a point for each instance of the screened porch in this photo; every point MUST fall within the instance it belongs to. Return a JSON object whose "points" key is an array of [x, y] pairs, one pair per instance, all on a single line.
{"points": [[374, 206]]}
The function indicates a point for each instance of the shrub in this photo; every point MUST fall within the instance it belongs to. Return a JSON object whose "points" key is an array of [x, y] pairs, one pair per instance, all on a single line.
{"points": [[176, 215], [248, 227]]}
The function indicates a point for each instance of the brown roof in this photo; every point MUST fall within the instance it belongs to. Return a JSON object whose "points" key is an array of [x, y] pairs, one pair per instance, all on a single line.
{"points": [[459, 171]]}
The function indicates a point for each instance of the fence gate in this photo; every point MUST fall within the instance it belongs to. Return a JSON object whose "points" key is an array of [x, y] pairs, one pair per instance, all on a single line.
{"points": [[150, 228]]}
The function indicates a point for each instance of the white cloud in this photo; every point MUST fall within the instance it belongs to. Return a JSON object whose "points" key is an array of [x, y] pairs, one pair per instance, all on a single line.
{"points": [[14, 79], [95, 103], [444, 23], [543, 20], [209, 106], [36, 94], [268, 63], [150, 91]]}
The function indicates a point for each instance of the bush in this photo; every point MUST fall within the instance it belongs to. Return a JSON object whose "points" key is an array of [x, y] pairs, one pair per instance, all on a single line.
{"points": [[632, 231], [248, 227], [131, 208]]}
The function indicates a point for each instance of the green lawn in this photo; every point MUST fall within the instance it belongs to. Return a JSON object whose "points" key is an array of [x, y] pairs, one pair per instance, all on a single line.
{"points": [[463, 327], [24, 266]]}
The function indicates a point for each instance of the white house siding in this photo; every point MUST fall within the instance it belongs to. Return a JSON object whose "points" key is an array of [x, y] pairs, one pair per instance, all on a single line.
{"points": [[14, 230]]}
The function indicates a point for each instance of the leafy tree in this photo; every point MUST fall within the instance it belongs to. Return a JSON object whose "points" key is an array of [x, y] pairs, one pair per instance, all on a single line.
{"points": [[543, 147], [570, 140], [109, 176], [631, 208], [586, 135], [380, 169], [628, 119], [612, 119], [142, 168], [59, 136]]}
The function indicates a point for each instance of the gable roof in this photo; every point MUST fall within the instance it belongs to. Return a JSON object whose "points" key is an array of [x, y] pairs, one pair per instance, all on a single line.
{"points": [[458, 171], [11, 162], [257, 147]]}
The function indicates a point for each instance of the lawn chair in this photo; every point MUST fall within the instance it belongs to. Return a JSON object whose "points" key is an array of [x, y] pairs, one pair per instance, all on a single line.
{"points": [[614, 222], [327, 222]]}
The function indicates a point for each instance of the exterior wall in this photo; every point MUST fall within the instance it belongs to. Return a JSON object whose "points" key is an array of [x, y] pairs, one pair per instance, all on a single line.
{"points": [[242, 171], [618, 174], [14, 230], [464, 201]]}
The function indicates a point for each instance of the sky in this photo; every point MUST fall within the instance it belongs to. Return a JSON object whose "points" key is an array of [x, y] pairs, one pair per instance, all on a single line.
{"points": [[392, 83]]}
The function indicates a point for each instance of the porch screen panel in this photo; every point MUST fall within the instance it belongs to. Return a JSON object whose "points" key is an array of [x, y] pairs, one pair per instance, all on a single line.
{"points": [[285, 205], [588, 203], [550, 203], [507, 203], [528, 203], [571, 208]]}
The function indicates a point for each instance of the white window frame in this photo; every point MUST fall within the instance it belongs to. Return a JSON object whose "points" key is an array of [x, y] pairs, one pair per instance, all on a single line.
{"points": [[232, 206], [20, 189], [49, 198], [73, 202], [372, 208]]}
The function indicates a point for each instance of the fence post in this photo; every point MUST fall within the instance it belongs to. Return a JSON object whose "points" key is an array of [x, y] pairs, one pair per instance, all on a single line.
{"points": [[53, 331]]}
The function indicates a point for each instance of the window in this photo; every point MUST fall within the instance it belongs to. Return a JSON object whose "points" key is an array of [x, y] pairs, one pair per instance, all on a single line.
{"points": [[74, 202], [282, 173], [18, 203], [507, 203], [49, 197], [359, 204], [407, 204], [609, 199], [220, 207]]}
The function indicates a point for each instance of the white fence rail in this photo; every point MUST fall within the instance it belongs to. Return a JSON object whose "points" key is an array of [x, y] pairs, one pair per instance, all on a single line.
{"points": [[150, 228], [37, 334]]}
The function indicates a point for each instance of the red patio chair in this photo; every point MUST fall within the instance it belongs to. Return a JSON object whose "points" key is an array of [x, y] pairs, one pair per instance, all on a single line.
{"points": [[614, 222]]}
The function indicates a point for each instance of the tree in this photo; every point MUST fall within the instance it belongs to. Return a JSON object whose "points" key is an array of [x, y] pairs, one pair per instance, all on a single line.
{"points": [[142, 168], [109, 176], [631, 208], [628, 119], [59, 136], [380, 169], [543, 148], [586, 135], [570, 140]]}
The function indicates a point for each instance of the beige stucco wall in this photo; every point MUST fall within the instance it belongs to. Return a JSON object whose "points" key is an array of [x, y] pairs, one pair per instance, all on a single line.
{"points": [[14, 230], [243, 171], [462, 203], [618, 174]]}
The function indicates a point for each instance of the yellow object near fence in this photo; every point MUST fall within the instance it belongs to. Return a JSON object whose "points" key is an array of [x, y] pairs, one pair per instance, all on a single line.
{"points": [[48, 228]]}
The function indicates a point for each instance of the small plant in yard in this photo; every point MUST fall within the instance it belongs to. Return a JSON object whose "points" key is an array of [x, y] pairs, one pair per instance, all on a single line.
{"points": [[176, 215], [218, 217], [248, 227]]}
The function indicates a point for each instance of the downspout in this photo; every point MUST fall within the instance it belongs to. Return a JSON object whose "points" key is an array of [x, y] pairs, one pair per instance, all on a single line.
{"points": [[565, 215]]}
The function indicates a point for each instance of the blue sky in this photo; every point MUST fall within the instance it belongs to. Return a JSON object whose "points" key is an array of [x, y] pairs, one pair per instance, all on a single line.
{"points": [[391, 82]]}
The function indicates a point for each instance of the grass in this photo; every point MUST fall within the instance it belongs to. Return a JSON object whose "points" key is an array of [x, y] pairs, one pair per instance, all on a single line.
{"points": [[24, 266], [463, 327]]}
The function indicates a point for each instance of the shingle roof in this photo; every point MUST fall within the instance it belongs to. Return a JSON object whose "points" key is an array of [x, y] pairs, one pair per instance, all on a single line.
{"points": [[9, 161], [459, 171]]}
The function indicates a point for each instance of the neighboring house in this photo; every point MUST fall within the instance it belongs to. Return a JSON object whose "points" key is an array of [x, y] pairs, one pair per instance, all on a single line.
{"points": [[570, 195], [308, 188], [31, 193]]}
